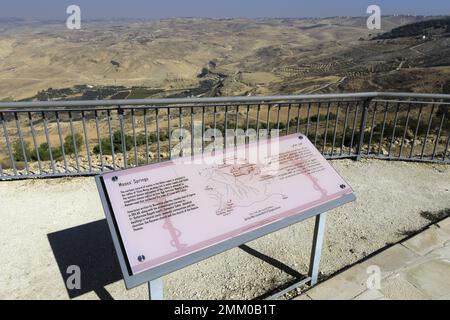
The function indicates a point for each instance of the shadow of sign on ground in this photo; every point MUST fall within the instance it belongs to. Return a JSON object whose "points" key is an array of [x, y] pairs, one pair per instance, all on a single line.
{"points": [[90, 247], [296, 276]]}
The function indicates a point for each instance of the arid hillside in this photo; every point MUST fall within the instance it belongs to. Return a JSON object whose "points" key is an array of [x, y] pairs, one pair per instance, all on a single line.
{"points": [[211, 57]]}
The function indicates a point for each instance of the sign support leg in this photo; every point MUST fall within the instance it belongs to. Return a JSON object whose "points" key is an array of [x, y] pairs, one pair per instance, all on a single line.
{"points": [[316, 251], [155, 289]]}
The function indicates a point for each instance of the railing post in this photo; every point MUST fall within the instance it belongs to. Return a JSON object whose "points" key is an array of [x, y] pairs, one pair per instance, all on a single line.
{"points": [[362, 127]]}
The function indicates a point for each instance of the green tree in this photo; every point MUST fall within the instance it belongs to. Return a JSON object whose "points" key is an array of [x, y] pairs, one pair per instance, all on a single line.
{"points": [[18, 151], [117, 143], [44, 152], [69, 146]]}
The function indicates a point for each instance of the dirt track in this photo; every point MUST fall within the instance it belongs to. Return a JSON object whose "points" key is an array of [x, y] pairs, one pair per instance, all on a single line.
{"points": [[37, 216]]}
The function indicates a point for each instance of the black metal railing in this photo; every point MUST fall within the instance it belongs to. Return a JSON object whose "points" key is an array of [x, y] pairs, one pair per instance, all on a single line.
{"points": [[41, 139]]}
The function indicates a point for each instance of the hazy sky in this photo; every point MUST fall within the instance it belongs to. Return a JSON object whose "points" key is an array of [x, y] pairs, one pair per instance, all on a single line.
{"points": [[152, 9]]}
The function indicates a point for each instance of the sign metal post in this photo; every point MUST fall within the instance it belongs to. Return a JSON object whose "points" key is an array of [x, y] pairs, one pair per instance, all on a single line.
{"points": [[156, 289], [316, 250]]}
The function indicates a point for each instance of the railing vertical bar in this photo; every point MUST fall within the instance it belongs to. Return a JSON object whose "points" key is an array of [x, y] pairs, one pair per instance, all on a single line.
{"points": [[169, 133], [354, 128], [147, 149], [308, 119], [406, 129], [383, 127], [247, 122], [120, 112], [393, 129], [19, 131], [236, 127], [86, 141], [111, 138], [336, 123], [63, 150], [416, 131], [99, 139], [192, 131], [203, 129], [446, 148], [438, 136], [298, 117], [8, 145], [288, 118], [428, 131], [75, 148], [133, 129], [225, 134], [278, 116], [362, 127], [215, 127], [317, 123], [326, 127], [345, 128], [181, 137], [268, 119], [158, 143], [47, 138], [258, 110], [372, 127]]}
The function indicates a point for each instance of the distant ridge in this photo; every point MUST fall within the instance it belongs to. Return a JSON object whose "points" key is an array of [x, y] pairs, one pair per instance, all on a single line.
{"points": [[427, 27]]}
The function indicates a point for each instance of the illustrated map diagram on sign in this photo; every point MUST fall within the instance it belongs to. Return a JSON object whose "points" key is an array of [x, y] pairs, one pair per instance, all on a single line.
{"points": [[239, 186]]}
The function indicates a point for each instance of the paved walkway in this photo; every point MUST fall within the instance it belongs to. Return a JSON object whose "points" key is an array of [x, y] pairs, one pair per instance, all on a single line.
{"points": [[417, 268]]}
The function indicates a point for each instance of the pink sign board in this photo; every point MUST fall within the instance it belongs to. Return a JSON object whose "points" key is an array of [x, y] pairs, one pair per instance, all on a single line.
{"points": [[171, 209]]}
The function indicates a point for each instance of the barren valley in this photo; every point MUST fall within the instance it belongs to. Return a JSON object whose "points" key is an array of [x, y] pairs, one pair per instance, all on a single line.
{"points": [[41, 60]]}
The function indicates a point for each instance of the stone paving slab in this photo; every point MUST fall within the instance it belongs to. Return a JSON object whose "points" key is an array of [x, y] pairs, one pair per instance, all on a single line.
{"points": [[344, 286], [445, 224], [431, 277], [428, 240], [370, 295], [397, 287], [391, 260], [416, 269]]}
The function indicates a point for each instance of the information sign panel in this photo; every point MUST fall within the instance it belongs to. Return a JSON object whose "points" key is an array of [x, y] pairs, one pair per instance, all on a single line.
{"points": [[167, 215]]}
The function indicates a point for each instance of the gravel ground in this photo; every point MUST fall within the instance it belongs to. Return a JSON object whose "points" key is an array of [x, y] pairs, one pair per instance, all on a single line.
{"points": [[394, 199]]}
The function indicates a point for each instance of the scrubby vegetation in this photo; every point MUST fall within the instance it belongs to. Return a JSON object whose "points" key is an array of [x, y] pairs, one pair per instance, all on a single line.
{"points": [[106, 147], [26, 152], [274, 125]]}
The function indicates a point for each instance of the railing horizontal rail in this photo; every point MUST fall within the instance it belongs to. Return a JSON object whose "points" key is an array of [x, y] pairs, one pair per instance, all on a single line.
{"points": [[414, 101], [178, 101], [60, 138], [218, 100]]}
